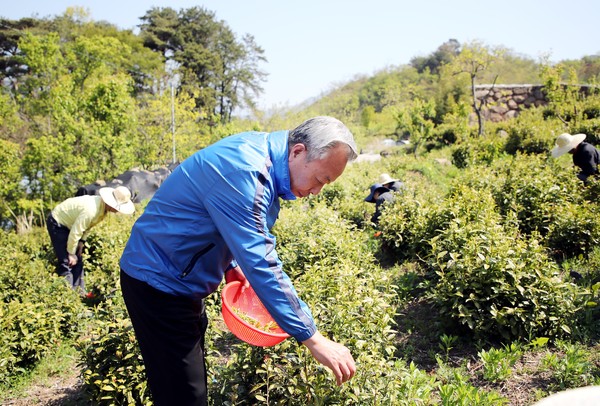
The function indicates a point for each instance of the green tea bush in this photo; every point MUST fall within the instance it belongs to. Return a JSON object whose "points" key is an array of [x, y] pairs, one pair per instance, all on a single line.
{"points": [[574, 230], [407, 225], [348, 200], [322, 242], [591, 128], [529, 133], [492, 280], [104, 248], [488, 177], [359, 176], [28, 331], [113, 369], [37, 309], [478, 151], [591, 109], [534, 189], [352, 302]]}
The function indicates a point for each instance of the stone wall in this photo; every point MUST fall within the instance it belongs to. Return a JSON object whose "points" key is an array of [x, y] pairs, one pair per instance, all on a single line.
{"points": [[502, 102]]}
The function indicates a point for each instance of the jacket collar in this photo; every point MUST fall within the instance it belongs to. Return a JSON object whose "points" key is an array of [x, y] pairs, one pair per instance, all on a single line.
{"points": [[278, 151]]}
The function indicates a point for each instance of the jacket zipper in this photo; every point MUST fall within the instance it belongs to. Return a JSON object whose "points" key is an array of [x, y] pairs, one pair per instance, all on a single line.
{"points": [[195, 258]]}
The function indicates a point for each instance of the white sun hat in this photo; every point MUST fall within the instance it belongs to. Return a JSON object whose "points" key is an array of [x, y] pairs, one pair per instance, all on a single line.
{"points": [[566, 142], [385, 178], [118, 198]]}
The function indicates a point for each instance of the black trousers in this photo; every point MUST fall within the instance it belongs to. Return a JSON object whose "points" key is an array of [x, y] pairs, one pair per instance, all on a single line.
{"points": [[170, 332], [59, 236]]}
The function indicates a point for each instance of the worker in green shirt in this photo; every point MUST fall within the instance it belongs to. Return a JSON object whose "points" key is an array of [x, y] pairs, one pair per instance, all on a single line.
{"points": [[70, 222]]}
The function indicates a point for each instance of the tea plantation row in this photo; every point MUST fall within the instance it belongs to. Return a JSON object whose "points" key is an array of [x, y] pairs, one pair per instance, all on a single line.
{"points": [[490, 248]]}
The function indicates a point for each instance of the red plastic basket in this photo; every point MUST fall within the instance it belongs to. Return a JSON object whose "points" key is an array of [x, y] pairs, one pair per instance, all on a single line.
{"points": [[249, 304]]}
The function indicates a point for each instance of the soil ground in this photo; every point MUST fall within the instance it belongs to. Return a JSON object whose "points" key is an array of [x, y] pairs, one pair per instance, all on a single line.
{"points": [[64, 390]]}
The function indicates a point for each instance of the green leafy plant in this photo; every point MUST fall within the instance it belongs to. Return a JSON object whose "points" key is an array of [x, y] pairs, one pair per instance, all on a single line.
{"points": [[447, 343], [114, 372], [497, 363], [570, 370]]}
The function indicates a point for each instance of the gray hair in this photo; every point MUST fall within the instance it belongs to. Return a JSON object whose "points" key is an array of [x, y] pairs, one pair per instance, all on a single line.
{"points": [[320, 134]]}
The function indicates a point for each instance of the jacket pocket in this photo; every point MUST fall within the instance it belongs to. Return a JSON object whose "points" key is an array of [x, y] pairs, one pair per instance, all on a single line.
{"points": [[195, 259]]}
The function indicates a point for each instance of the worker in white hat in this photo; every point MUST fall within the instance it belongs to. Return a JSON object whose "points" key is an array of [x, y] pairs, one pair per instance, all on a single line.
{"points": [[392, 184], [71, 221], [585, 155]]}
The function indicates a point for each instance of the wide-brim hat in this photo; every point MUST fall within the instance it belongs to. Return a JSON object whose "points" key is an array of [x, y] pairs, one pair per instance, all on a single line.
{"points": [[377, 187], [566, 142], [385, 178], [118, 198]]}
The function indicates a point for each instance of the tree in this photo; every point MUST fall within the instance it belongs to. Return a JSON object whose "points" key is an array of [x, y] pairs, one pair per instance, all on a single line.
{"points": [[475, 59], [442, 56], [221, 71], [10, 190], [367, 115], [241, 78], [155, 131], [74, 24], [417, 119], [11, 31], [80, 103], [562, 94]]}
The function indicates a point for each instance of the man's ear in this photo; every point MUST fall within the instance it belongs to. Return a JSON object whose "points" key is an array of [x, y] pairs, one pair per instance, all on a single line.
{"points": [[297, 149]]}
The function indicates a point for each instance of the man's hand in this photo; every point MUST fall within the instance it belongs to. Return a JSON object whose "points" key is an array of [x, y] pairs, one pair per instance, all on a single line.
{"points": [[72, 260], [333, 355]]}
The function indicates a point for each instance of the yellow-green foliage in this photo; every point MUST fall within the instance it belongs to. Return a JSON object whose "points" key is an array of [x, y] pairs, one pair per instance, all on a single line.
{"points": [[335, 274], [531, 133], [490, 242], [493, 280], [114, 372], [37, 309]]}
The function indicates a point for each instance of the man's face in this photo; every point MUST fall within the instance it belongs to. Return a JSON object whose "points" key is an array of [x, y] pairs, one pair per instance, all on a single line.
{"points": [[308, 178]]}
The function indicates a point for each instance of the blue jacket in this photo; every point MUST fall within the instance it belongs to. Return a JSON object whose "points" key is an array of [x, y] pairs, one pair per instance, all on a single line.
{"points": [[217, 206]]}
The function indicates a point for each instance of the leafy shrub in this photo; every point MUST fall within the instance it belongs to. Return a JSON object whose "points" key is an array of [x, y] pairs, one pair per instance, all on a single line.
{"points": [[324, 241], [533, 190], [114, 371], [37, 310], [478, 151], [335, 275], [574, 230], [28, 330], [493, 281], [529, 133], [591, 128], [407, 225], [103, 251]]}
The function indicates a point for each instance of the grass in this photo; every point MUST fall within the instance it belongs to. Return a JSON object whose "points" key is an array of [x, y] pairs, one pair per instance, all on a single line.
{"points": [[55, 377]]}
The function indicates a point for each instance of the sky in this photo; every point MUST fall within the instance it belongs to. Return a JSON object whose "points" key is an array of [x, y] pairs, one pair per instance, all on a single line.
{"points": [[312, 46]]}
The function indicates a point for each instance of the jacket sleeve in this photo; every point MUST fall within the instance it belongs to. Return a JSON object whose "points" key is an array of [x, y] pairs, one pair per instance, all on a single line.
{"points": [[239, 205], [78, 231]]}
